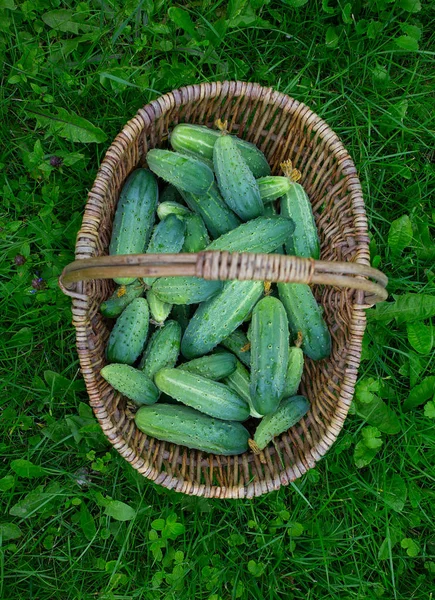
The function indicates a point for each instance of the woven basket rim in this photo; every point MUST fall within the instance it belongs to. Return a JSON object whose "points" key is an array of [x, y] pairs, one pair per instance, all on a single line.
{"points": [[114, 154]]}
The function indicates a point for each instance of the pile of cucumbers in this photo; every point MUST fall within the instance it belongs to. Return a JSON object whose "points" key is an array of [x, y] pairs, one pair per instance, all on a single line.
{"points": [[201, 357]]}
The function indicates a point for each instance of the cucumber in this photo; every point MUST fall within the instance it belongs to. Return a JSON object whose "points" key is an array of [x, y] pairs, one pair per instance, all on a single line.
{"points": [[188, 427], [170, 194], [289, 412], [185, 172], [128, 336], [239, 381], [215, 366], [218, 218], [239, 345], [162, 350], [269, 354], [131, 383], [209, 397], [134, 217], [273, 187], [236, 182], [304, 316], [264, 234], [167, 238], [167, 208], [218, 317], [196, 238], [121, 297], [197, 140], [159, 310], [270, 210], [294, 371], [185, 290], [305, 240]]}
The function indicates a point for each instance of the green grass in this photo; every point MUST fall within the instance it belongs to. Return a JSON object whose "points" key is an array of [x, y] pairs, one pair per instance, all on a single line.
{"points": [[343, 531]]}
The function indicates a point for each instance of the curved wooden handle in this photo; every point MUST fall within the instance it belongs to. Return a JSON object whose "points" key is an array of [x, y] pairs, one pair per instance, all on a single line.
{"points": [[224, 265]]}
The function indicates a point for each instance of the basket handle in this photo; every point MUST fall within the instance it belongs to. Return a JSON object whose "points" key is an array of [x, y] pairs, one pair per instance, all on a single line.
{"points": [[224, 265]]}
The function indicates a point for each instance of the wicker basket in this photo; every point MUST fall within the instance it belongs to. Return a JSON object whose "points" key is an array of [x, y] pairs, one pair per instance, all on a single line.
{"points": [[284, 129]]}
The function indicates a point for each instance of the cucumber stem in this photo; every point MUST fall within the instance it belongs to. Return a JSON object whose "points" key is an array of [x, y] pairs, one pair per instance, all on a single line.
{"points": [[222, 125], [267, 288], [293, 174], [246, 347], [298, 342]]}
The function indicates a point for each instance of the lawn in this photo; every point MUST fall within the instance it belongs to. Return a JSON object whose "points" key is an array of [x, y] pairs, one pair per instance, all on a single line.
{"points": [[77, 522]]}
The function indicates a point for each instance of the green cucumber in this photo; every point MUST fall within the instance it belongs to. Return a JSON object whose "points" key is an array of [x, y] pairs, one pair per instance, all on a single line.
{"points": [[197, 140], [134, 217], [196, 238], [128, 336], [167, 238], [273, 187], [289, 412], [270, 210], [170, 194], [209, 397], [264, 234], [159, 310], [294, 371], [185, 290], [162, 350], [269, 354], [239, 345], [236, 182], [218, 317], [121, 297], [240, 381], [131, 383], [167, 208], [188, 427], [185, 172], [214, 366], [305, 240], [304, 316], [218, 218]]}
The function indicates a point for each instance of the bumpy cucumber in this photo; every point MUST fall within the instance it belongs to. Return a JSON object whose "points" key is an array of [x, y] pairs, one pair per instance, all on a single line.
{"points": [[188, 427], [304, 316], [162, 350], [294, 371], [121, 297], [169, 207], [131, 383], [289, 412], [167, 238], [239, 381], [128, 337], [263, 234], [185, 290], [218, 218], [215, 366], [269, 354], [217, 318], [210, 397], [197, 140], [270, 210], [134, 216], [185, 172], [236, 182], [305, 240], [196, 238], [159, 310], [239, 345], [273, 187], [170, 194]]}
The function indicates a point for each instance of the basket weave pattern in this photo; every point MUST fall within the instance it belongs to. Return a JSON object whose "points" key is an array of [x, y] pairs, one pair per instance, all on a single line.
{"points": [[283, 128]]}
